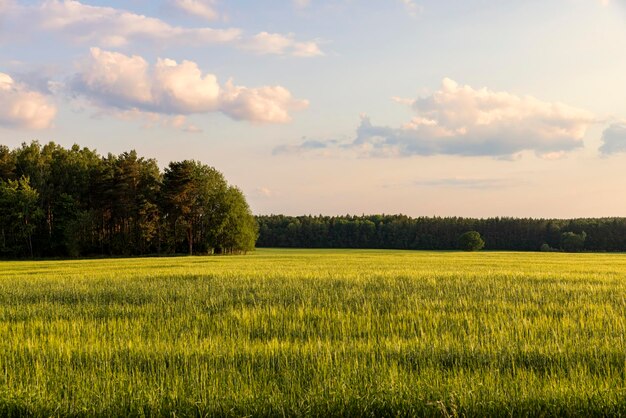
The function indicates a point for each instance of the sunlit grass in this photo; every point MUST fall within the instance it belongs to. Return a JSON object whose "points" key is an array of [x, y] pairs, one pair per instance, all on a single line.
{"points": [[315, 333]]}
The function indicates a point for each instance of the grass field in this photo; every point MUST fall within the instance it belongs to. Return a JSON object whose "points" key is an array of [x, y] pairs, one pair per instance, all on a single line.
{"points": [[315, 333]]}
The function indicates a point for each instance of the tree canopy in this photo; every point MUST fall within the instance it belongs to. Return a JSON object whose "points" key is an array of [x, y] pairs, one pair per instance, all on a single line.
{"points": [[438, 233], [74, 202], [471, 241], [572, 242]]}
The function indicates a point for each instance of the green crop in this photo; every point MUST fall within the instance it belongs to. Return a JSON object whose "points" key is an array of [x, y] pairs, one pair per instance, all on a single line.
{"points": [[315, 333]]}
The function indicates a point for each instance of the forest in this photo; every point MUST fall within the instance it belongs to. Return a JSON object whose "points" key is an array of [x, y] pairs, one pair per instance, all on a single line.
{"points": [[58, 202], [437, 233]]}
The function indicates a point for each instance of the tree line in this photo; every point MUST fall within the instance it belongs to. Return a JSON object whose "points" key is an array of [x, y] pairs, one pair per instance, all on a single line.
{"points": [[441, 233], [58, 202]]}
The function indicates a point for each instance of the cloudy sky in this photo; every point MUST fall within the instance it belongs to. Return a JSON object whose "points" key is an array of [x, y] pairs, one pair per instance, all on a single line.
{"points": [[422, 107]]}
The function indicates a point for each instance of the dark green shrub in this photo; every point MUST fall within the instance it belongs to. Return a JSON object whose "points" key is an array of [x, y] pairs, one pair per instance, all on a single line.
{"points": [[471, 241]]}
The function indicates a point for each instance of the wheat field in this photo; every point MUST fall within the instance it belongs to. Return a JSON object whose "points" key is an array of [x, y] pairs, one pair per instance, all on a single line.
{"points": [[315, 333]]}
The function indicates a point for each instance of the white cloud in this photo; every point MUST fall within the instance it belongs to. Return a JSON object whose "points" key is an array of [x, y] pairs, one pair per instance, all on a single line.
{"points": [[268, 104], [201, 8], [179, 122], [265, 192], [110, 27], [181, 88], [112, 80], [461, 120], [150, 120], [412, 8], [469, 183], [614, 139], [21, 107], [115, 28], [275, 43], [307, 147]]}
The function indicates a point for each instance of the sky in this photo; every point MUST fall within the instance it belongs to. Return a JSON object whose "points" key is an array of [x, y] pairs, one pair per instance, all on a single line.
{"points": [[477, 108]]}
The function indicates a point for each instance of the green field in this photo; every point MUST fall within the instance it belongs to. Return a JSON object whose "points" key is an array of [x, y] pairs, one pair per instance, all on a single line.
{"points": [[315, 333]]}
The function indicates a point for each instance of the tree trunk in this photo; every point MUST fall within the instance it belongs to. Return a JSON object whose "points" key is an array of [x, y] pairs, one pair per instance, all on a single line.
{"points": [[190, 240], [49, 220]]}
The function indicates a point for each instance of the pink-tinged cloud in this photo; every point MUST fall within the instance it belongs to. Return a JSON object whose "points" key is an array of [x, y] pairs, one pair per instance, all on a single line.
{"points": [[462, 120], [109, 27], [112, 80], [265, 43], [412, 8], [23, 108], [268, 104], [204, 9]]}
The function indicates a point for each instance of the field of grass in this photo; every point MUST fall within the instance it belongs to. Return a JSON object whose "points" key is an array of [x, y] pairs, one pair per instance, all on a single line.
{"points": [[315, 333]]}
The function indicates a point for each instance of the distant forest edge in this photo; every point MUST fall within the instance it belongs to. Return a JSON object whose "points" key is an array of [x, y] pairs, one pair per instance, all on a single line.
{"points": [[426, 233], [57, 202]]}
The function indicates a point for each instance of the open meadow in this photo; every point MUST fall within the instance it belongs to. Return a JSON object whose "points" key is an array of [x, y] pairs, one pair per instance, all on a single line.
{"points": [[315, 333]]}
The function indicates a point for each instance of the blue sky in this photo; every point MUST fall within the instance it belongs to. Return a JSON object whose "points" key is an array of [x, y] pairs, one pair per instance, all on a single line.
{"points": [[474, 108]]}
